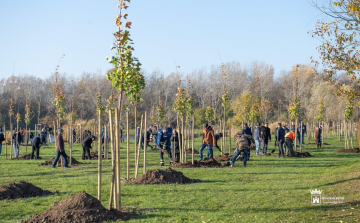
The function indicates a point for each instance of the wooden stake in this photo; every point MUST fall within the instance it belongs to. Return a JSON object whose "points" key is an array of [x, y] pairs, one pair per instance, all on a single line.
{"points": [[192, 140], [112, 185], [100, 155], [127, 147], [145, 141], [138, 149], [135, 134], [117, 147], [6, 143]]}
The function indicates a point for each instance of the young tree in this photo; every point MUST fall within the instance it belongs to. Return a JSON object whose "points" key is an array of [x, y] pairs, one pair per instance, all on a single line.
{"points": [[27, 123], [126, 75]]}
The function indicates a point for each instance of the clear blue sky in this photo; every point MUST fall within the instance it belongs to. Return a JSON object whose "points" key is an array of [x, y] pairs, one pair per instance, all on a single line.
{"points": [[34, 34]]}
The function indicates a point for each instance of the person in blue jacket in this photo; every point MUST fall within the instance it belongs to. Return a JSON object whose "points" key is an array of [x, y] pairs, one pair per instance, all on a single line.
{"points": [[164, 143], [246, 130]]}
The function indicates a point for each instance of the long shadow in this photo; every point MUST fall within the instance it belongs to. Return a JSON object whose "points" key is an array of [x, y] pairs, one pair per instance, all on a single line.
{"points": [[341, 181]]}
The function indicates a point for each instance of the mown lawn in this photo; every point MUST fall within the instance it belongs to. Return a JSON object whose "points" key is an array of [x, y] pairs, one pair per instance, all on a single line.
{"points": [[267, 190]]}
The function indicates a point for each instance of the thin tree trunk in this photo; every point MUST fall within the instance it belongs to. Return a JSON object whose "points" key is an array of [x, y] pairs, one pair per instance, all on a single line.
{"points": [[139, 148], [100, 155], [301, 135], [192, 140], [145, 141], [127, 147], [26, 137], [112, 185], [296, 122], [135, 133], [180, 138], [117, 148], [5, 142]]}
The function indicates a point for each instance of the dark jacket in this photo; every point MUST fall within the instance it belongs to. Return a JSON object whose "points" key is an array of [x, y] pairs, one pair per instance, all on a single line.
{"points": [[36, 142], [246, 130], [265, 134], [217, 136], [175, 139], [87, 142], [60, 146], [280, 134], [318, 136], [148, 134], [19, 138]]}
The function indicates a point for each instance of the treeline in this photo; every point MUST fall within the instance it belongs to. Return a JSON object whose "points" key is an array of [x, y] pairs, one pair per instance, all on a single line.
{"points": [[251, 85]]}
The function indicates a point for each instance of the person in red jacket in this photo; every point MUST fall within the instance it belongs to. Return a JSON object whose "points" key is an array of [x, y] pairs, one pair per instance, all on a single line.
{"points": [[289, 139]]}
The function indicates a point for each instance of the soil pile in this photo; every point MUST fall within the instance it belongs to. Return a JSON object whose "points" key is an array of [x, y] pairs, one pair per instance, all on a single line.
{"points": [[189, 151], [24, 157], [206, 163], [79, 208], [356, 150], [304, 154], [20, 190], [167, 176], [49, 162], [223, 158]]}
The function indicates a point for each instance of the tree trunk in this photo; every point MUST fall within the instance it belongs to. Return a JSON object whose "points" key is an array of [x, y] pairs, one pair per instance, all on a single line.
{"points": [[112, 185], [139, 148], [296, 122], [145, 141], [117, 147], [26, 137], [127, 147], [135, 119], [5, 142], [100, 154], [192, 140]]}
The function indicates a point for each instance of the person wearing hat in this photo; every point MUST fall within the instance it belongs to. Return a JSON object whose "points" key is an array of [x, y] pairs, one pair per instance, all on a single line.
{"points": [[86, 144], [60, 149]]}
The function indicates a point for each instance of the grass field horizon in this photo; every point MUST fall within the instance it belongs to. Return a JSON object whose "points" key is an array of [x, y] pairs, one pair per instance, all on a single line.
{"points": [[269, 189]]}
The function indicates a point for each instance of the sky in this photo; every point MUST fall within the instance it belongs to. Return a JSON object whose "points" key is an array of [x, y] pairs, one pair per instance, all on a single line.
{"points": [[35, 34]]}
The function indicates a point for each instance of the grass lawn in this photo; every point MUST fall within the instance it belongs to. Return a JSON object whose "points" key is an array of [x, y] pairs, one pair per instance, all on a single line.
{"points": [[269, 189]]}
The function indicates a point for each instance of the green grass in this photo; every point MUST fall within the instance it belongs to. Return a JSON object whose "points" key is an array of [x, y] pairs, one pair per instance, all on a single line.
{"points": [[267, 190]]}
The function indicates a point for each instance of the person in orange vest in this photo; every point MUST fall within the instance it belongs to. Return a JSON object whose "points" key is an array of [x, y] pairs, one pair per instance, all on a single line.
{"points": [[289, 139]]}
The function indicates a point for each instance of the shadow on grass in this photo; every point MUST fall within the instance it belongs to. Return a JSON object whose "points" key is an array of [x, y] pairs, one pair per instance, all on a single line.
{"points": [[341, 181]]}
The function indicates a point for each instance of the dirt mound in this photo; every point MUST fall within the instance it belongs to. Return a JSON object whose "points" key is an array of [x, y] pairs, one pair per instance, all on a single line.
{"points": [[314, 143], [79, 208], [206, 163], [189, 151], [220, 158], [24, 157], [167, 176], [49, 162], [303, 154], [20, 190], [356, 150]]}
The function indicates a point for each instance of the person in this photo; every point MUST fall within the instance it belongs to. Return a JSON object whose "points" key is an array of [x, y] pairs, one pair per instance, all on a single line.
{"points": [[164, 143], [243, 143], [289, 139], [246, 130], [43, 136], [293, 126], [318, 137], [175, 139], [265, 137], [154, 136], [74, 136], [60, 150], [303, 132], [2, 139], [280, 133], [86, 144], [35, 148], [208, 141], [202, 143], [137, 135], [148, 134], [257, 137], [16, 140], [217, 137]]}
